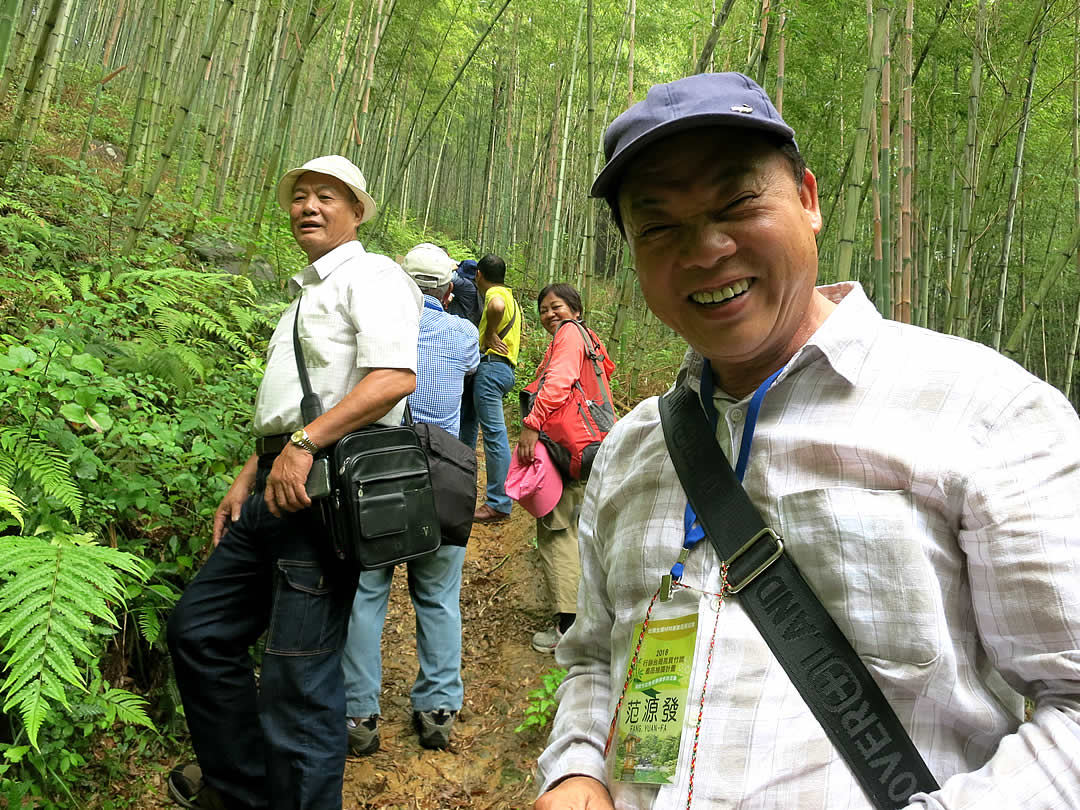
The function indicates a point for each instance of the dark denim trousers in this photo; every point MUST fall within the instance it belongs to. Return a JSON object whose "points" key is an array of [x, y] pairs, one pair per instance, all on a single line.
{"points": [[281, 745]]}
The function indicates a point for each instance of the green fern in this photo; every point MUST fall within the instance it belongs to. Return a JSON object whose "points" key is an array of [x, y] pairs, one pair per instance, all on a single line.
{"points": [[10, 502], [47, 466], [52, 593], [52, 285], [122, 705], [9, 205]]}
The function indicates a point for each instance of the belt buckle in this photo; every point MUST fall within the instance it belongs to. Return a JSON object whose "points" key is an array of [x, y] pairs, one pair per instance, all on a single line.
{"points": [[773, 557]]}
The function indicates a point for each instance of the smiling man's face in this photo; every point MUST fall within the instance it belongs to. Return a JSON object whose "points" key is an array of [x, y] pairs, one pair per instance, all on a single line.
{"points": [[723, 241], [324, 213]]}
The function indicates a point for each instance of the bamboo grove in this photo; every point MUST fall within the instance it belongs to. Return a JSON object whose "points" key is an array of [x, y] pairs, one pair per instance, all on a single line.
{"points": [[943, 134]]}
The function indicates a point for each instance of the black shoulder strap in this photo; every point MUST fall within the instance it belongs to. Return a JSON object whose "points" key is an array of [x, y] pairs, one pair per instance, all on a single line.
{"points": [[513, 319], [311, 404], [802, 635]]}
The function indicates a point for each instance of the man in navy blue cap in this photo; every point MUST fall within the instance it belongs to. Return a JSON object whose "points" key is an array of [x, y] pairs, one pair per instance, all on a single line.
{"points": [[924, 486]]}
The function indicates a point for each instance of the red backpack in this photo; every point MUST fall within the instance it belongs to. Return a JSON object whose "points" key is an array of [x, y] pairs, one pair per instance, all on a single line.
{"points": [[573, 432]]}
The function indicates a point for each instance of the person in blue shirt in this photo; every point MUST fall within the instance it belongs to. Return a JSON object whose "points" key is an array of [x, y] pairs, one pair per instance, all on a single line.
{"points": [[466, 301], [447, 350]]}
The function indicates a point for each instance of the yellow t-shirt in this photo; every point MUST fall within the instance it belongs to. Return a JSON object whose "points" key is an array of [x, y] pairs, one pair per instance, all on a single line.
{"points": [[512, 339]]}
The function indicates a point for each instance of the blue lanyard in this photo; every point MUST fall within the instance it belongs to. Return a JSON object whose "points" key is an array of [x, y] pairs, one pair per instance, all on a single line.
{"points": [[691, 527], [432, 305]]}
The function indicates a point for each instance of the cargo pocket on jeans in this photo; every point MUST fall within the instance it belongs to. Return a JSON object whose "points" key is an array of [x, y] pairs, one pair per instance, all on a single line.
{"points": [[301, 612]]}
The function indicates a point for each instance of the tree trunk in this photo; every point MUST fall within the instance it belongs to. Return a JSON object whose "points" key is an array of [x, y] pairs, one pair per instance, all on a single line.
{"points": [[1046, 284], [556, 235], [31, 89], [630, 55], [907, 169], [9, 17], [1014, 186], [862, 136], [180, 114], [961, 292], [714, 37], [781, 52], [884, 286], [1070, 363], [404, 164], [142, 99]]}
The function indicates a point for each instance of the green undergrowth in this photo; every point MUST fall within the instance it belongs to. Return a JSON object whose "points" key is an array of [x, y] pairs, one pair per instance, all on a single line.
{"points": [[125, 394]]}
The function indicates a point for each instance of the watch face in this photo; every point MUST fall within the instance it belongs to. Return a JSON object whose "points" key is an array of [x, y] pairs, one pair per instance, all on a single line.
{"points": [[297, 437]]}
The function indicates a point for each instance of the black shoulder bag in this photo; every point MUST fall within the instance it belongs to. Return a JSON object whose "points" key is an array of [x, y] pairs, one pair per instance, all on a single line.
{"points": [[380, 509], [820, 661]]}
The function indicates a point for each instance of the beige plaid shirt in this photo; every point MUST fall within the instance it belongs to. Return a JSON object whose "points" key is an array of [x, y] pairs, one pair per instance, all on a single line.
{"points": [[928, 490], [360, 312]]}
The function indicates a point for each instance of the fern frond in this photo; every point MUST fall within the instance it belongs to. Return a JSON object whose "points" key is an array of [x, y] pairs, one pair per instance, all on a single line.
{"points": [[51, 596], [85, 286], [9, 205], [52, 285], [149, 623], [48, 467], [126, 707], [9, 501]]}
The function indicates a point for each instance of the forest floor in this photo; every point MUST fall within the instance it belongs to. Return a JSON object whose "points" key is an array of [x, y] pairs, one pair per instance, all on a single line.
{"points": [[487, 766]]}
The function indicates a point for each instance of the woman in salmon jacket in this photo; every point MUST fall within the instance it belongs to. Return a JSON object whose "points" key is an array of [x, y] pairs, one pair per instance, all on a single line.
{"points": [[567, 407]]}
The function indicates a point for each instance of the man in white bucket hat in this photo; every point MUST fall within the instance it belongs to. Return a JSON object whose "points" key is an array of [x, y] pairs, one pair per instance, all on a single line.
{"points": [[283, 745]]}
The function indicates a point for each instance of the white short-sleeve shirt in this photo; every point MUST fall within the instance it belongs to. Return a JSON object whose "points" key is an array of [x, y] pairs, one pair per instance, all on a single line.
{"points": [[360, 312]]}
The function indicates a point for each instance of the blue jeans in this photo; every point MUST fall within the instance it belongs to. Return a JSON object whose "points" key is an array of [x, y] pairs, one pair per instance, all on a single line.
{"points": [[435, 588], [281, 745], [493, 381]]}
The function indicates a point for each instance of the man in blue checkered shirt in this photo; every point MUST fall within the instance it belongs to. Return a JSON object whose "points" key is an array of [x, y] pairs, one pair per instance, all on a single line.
{"points": [[448, 349]]}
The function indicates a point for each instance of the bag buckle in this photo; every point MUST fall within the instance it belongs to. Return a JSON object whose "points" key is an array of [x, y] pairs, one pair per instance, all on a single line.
{"points": [[774, 555]]}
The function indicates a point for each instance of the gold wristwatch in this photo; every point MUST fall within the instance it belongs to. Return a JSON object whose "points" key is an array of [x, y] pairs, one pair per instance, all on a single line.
{"points": [[301, 439]]}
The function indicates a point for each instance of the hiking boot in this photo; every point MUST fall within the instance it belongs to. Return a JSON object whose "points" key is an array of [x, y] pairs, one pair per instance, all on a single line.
{"points": [[434, 727], [363, 735], [187, 789], [546, 640]]}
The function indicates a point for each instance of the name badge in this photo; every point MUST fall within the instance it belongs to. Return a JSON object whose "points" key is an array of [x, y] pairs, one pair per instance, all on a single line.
{"points": [[650, 720]]}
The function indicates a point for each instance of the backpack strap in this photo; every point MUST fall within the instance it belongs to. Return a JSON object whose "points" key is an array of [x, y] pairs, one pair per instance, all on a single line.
{"points": [[593, 353]]}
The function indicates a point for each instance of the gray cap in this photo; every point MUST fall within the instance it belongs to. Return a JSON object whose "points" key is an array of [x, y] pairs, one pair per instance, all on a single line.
{"points": [[703, 100]]}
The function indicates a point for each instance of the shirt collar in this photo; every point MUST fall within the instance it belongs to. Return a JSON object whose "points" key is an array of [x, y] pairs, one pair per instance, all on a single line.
{"points": [[326, 264], [844, 340], [431, 302]]}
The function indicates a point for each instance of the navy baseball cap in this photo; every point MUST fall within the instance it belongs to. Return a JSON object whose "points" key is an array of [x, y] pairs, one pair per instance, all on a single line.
{"points": [[702, 100]]}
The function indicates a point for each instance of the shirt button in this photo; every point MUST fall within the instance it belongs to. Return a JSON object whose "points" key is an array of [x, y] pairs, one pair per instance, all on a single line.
{"points": [[715, 603], [736, 416]]}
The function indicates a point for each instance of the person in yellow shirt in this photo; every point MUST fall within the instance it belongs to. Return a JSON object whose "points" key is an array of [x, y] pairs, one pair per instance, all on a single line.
{"points": [[500, 339]]}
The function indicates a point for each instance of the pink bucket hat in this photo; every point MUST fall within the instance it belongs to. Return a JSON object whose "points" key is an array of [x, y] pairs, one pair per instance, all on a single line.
{"points": [[536, 486]]}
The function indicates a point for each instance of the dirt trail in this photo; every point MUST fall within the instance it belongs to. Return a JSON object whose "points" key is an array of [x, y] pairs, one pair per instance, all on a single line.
{"points": [[488, 766]]}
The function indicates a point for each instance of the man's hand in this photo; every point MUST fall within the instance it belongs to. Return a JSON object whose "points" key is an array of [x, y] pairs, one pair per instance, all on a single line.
{"points": [[495, 342], [228, 510], [526, 446], [576, 793], [285, 485]]}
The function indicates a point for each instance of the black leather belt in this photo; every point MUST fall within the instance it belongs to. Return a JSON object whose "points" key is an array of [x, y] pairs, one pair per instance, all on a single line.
{"points": [[491, 358], [267, 445]]}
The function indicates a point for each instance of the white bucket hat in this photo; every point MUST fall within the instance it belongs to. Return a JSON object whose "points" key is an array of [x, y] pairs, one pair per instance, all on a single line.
{"points": [[429, 266], [335, 166]]}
